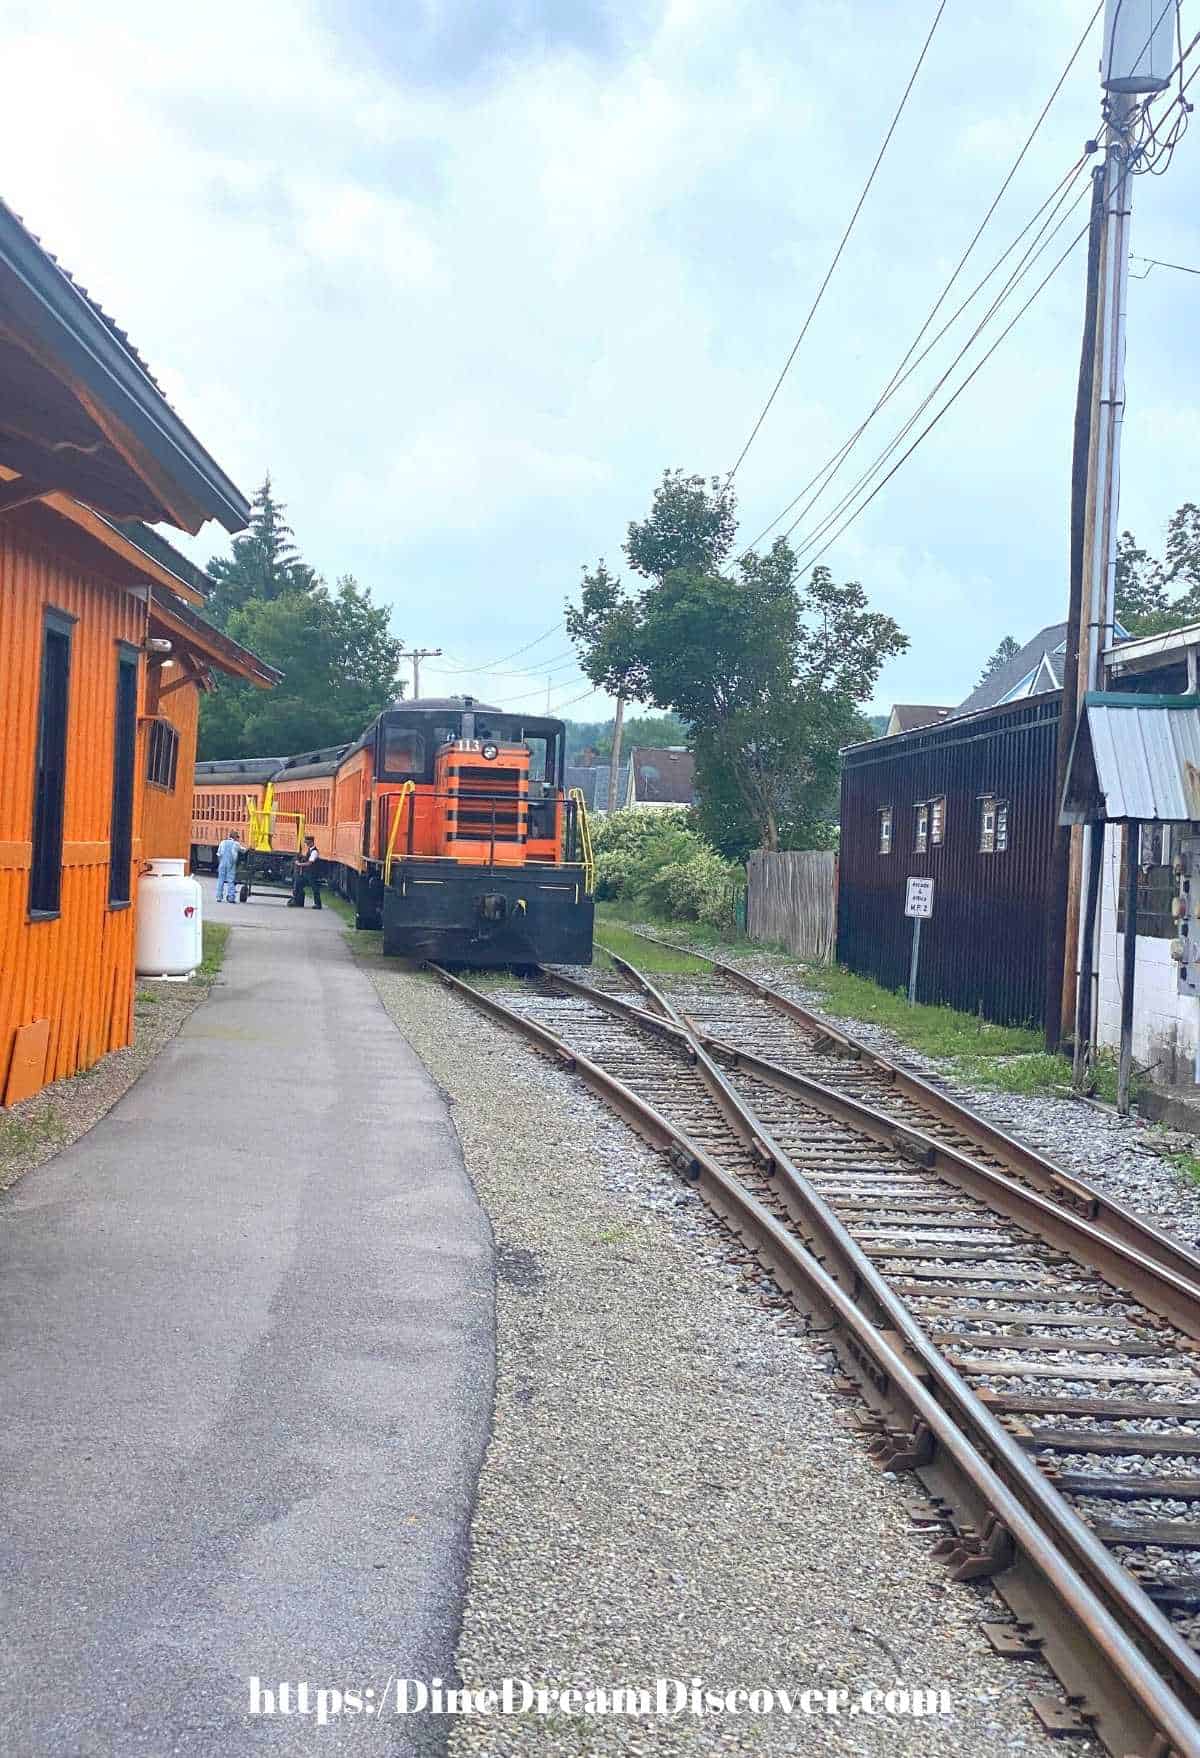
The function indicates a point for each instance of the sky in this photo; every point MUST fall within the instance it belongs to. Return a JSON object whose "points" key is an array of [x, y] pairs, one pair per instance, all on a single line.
{"points": [[465, 277]]}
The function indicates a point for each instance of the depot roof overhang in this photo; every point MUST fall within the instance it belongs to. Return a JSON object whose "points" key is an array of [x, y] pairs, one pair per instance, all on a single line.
{"points": [[1134, 758], [203, 646], [79, 411]]}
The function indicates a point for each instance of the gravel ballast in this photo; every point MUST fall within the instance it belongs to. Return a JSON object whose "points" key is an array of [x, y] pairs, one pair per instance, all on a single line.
{"points": [[673, 1489]]}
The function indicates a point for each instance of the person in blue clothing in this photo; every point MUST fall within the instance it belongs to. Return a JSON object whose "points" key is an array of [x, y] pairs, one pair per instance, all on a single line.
{"points": [[228, 852]]}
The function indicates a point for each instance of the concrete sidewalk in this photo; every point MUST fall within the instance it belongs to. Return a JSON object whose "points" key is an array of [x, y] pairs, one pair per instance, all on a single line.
{"points": [[246, 1356]]}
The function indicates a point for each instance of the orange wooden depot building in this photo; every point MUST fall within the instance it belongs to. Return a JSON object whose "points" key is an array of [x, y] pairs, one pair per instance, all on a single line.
{"points": [[103, 657]]}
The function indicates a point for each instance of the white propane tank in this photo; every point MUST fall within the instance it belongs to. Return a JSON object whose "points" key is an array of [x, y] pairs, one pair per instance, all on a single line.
{"points": [[168, 921]]}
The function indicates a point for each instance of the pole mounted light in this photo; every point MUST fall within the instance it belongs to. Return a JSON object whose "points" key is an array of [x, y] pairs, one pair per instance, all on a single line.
{"points": [[1139, 45]]}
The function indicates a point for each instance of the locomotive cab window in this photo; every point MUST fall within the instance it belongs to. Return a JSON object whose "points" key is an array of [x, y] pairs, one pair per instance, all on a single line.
{"points": [[885, 830], [921, 842], [403, 752]]}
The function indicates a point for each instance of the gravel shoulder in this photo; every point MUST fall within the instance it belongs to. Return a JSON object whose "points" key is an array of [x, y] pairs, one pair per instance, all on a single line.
{"points": [[33, 1132], [673, 1489]]}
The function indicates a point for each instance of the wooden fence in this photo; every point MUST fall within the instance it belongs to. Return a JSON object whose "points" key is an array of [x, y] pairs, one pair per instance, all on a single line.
{"points": [[791, 900]]}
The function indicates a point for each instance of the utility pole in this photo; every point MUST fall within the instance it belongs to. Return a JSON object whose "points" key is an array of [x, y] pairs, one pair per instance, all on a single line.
{"points": [[417, 654], [1136, 62], [614, 763]]}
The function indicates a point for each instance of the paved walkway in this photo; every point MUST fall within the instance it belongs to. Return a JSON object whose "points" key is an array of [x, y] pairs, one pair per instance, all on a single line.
{"points": [[245, 1373]]}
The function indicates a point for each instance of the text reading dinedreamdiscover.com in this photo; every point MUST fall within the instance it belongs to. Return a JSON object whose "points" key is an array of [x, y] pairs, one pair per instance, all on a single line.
{"points": [[670, 1698]]}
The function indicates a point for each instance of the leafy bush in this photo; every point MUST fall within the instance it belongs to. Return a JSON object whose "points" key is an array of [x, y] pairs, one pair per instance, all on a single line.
{"points": [[660, 860]]}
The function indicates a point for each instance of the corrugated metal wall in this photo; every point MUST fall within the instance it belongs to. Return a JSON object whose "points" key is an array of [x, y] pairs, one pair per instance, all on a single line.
{"points": [[167, 816], [984, 949], [75, 971]]}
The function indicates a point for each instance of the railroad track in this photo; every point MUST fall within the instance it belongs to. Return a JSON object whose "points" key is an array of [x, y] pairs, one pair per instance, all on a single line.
{"points": [[1027, 1348]]}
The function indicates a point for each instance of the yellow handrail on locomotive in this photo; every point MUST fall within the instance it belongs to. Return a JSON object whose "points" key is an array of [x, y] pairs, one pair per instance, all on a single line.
{"points": [[585, 841], [406, 793]]}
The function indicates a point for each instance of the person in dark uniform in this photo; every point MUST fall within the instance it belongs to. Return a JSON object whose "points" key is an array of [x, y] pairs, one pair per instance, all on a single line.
{"points": [[307, 873]]}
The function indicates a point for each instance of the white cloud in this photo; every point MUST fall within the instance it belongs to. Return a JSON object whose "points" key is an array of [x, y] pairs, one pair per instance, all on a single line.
{"points": [[466, 321]]}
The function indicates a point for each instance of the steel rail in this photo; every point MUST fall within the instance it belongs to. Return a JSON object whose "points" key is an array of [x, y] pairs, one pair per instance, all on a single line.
{"points": [[1176, 1298], [1138, 1706], [1062, 1186]]}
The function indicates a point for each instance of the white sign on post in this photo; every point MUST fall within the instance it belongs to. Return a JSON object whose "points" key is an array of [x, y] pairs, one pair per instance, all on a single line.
{"points": [[919, 899]]}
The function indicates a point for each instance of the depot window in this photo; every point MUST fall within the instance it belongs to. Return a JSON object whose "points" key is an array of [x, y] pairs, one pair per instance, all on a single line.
{"points": [[162, 755], [50, 773], [120, 835], [937, 819], [922, 838], [885, 830]]}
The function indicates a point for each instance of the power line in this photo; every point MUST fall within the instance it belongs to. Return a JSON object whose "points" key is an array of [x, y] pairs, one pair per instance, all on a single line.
{"points": [[831, 466], [487, 664], [834, 464], [1155, 262], [1129, 171], [837, 255], [957, 394], [1050, 227], [542, 668]]}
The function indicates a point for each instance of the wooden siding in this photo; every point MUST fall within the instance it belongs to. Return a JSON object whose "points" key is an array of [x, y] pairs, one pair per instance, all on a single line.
{"points": [[985, 948], [791, 901], [167, 815], [76, 970]]}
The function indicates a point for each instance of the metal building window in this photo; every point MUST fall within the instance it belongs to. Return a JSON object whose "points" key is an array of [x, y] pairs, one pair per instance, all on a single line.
{"points": [[922, 838], [987, 825], [120, 835], [993, 825], [885, 830], [50, 772], [1156, 883], [937, 819], [162, 755]]}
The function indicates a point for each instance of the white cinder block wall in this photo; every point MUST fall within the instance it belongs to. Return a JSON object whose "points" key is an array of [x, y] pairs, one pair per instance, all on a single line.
{"points": [[1166, 1024]]}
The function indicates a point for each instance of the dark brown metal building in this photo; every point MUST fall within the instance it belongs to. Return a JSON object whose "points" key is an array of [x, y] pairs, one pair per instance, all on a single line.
{"points": [[970, 804]]}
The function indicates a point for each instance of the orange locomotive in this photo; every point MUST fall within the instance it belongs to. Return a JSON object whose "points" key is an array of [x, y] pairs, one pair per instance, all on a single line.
{"points": [[447, 825]]}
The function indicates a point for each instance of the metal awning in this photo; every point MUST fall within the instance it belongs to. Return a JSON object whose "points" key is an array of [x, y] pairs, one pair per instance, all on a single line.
{"points": [[1134, 758]]}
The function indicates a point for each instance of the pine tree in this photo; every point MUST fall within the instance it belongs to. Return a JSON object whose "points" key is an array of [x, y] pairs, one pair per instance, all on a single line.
{"points": [[266, 563], [1008, 649]]}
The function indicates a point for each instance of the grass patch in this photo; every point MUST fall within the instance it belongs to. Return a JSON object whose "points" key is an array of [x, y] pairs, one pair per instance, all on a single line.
{"points": [[935, 1031], [613, 936], [22, 1135], [1039, 1072], [1187, 1164], [215, 938]]}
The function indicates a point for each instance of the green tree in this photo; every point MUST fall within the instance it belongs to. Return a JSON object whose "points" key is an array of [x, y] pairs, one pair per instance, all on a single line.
{"points": [[658, 730], [1008, 649], [769, 673], [265, 564], [335, 649], [603, 627]]}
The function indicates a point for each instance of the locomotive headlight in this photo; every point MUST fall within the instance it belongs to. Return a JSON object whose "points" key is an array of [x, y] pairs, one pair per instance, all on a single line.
{"points": [[491, 752]]}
